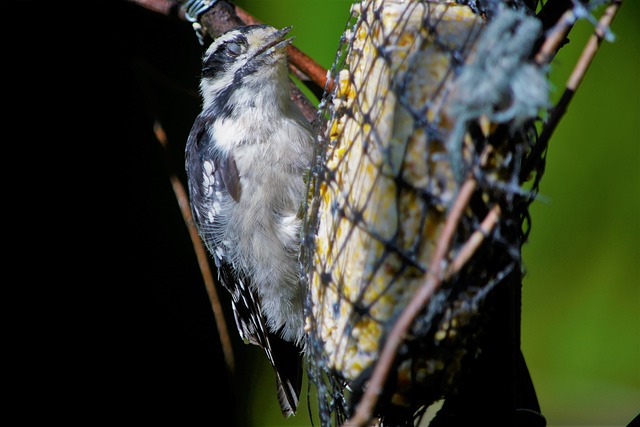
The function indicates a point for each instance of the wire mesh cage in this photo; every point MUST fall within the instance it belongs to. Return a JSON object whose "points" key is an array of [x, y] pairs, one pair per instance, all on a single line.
{"points": [[432, 117], [432, 136]]}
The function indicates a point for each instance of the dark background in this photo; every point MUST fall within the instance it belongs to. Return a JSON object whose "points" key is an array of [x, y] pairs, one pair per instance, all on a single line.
{"points": [[117, 322]]}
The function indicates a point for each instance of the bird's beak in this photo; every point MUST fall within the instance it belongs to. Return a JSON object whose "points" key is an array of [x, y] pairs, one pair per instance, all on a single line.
{"points": [[276, 42]]}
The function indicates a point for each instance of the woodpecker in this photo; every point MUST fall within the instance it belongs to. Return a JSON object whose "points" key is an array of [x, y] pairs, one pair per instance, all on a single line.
{"points": [[246, 159]]}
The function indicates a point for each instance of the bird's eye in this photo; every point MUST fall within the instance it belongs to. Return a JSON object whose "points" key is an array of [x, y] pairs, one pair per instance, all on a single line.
{"points": [[234, 49]]}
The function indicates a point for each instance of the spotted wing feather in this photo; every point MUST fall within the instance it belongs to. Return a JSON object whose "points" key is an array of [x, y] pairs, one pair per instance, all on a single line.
{"points": [[212, 177]]}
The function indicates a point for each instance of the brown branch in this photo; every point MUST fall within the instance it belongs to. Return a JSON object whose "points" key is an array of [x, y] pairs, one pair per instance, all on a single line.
{"points": [[302, 64], [309, 67], [433, 280], [555, 39], [474, 241], [201, 255], [580, 69], [551, 11], [223, 16], [577, 75], [590, 50]]}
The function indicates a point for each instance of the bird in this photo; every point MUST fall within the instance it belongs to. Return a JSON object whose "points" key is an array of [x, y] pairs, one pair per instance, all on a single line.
{"points": [[247, 157]]}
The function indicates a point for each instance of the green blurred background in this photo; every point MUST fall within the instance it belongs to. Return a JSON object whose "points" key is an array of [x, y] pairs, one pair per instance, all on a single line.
{"points": [[581, 296]]}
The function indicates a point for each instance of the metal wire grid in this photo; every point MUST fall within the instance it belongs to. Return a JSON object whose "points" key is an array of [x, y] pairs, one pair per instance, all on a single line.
{"points": [[386, 177]]}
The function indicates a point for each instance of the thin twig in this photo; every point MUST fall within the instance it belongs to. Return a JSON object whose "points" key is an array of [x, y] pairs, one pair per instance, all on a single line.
{"points": [[316, 73], [555, 38], [474, 241], [577, 75], [201, 256], [302, 64], [590, 50], [433, 279]]}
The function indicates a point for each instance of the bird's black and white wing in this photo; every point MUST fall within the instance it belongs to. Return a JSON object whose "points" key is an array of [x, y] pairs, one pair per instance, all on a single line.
{"points": [[213, 181]]}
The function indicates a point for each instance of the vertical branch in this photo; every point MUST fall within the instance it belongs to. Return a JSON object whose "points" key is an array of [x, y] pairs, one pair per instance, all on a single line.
{"points": [[201, 255], [577, 75], [433, 279]]}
